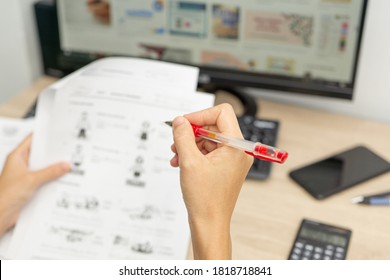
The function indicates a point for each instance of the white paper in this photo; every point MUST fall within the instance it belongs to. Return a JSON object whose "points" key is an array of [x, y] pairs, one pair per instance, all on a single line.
{"points": [[12, 133], [122, 199]]}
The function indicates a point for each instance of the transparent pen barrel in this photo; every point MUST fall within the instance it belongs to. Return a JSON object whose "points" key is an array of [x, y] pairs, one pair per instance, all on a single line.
{"points": [[237, 143], [258, 150]]}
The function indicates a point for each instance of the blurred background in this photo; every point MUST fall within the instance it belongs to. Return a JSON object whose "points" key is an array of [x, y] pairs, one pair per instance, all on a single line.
{"points": [[21, 62]]}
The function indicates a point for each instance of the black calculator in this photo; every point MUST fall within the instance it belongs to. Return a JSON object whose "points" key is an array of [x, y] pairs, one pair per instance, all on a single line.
{"points": [[317, 241]]}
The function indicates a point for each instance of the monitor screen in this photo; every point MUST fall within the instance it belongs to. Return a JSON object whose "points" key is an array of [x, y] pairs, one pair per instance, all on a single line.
{"points": [[307, 46]]}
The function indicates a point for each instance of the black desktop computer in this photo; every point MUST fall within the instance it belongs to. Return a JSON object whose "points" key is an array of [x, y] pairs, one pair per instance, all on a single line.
{"points": [[306, 47], [55, 61]]}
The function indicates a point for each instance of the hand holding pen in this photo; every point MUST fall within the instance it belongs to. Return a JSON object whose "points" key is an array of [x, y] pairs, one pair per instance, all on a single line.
{"points": [[257, 150], [211, 177]]}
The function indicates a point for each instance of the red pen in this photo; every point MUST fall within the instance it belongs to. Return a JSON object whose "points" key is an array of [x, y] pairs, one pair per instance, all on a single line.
{"points": [[257, 150]]}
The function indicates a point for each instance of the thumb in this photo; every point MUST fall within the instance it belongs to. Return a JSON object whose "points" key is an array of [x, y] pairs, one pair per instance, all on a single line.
{"points": [[184, 138], [50, 173]]}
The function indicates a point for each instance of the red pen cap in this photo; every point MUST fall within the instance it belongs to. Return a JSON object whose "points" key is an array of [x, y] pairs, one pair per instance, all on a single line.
{"points": [[269, 153]]}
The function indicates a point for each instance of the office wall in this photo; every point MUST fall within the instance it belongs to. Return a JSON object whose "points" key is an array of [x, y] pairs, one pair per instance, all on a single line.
{"points": [[19, 54], [372, 95], [20, 63]]}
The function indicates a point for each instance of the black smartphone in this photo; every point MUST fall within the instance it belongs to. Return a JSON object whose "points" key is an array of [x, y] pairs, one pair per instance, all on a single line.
{"points": [[339, 172]]}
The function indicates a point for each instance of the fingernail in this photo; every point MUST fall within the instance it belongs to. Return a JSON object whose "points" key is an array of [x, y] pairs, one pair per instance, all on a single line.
{"points": [[178, 121], [65, 166]]}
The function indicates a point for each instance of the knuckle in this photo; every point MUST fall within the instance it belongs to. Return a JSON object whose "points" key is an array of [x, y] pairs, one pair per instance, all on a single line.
{"points": [[226, 107]]}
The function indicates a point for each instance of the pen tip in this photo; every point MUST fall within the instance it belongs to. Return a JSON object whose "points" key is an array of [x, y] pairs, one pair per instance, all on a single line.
{"points": [[358, 199], [168, 123]]}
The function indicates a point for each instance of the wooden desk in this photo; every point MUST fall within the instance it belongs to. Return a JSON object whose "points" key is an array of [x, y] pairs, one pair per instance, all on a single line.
{"points": [[18, 106], [269, 212]]}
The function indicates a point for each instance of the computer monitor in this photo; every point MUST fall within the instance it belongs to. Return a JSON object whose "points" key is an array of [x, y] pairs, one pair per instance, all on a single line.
{"points": [[305, 46]]}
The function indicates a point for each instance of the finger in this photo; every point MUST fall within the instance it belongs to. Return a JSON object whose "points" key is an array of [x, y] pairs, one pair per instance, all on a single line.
{"points": [[205, 145], [49, 173], [210, 146], [23, 148], [222, 116], [184, 138], [25, 144], [173, 148], [175, 161]]}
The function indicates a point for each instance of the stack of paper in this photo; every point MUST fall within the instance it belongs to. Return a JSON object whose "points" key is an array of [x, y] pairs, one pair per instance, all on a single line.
{"points": [[122, 199]]}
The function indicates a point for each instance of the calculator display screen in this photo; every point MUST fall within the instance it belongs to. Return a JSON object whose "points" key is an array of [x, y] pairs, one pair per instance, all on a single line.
{"points": [[322, 236]]}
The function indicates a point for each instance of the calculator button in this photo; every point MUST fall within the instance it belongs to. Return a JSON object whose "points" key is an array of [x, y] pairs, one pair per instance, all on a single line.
{"points": [[309, 247], [330, 247], [339, 256], [299, 245], [340, 250], [307, 253], [326, 258], [317, 256], [297, 251], [305, 258], [294, 257], [328, 252], [318, 250]]}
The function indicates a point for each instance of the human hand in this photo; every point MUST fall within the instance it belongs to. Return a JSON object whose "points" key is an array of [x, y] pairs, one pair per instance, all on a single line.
{"points": [[211, 177], [18, 184], [100, 9]]}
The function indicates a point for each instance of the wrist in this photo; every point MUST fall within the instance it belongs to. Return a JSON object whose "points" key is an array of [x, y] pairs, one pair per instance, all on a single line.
{"points": [[5, 221], [3, 224], [211, 239]]}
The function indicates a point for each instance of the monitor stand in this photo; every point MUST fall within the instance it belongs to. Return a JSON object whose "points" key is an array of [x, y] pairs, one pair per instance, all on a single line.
{"points": [[249, 103]]}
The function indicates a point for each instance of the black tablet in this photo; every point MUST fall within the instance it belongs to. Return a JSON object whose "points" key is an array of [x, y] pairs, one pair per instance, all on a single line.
{"points": [[339, 172]]}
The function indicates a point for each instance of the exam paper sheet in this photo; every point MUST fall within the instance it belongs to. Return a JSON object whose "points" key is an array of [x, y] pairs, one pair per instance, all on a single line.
{"points": [[122, 199]]}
